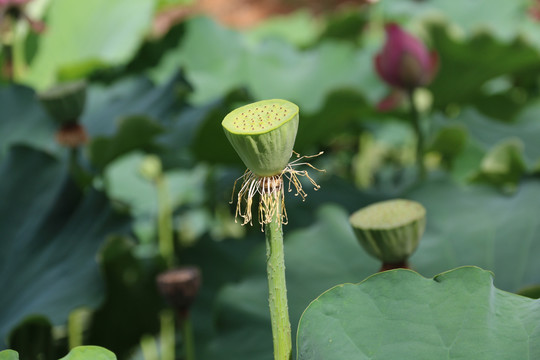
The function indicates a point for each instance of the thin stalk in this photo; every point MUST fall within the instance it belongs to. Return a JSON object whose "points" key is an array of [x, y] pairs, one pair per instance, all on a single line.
{"points": [[398, 265], [8, 63], [166, 249], [74, 161], [415, 115], [187, 336], [77, 173], [76, 170], [149, 348], [277, 288], [77, 321], [165, 229], [167, 335]]}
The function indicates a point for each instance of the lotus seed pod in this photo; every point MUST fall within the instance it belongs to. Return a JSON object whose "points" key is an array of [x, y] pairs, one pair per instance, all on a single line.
{"points": [[263, 134], [65, 102], [390, 230]]}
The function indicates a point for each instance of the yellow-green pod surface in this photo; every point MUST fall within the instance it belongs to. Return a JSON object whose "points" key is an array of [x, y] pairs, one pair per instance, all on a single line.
{"points": [[263, 134], [390, 230]]}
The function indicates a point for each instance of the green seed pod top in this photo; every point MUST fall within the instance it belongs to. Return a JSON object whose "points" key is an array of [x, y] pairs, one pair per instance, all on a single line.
{"points": [[390, 230], [263, 134], [65, 102]]}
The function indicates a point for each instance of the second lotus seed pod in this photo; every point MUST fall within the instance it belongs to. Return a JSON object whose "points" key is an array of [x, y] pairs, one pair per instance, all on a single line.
{"points": [[65, 102], [390, 230]]}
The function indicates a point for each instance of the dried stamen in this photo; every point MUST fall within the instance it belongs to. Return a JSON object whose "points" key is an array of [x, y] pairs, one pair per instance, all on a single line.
{"points": [[271, 192]]}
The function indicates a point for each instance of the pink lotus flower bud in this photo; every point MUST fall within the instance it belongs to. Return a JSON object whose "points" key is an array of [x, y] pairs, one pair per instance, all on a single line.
{"points": [[4, 4], [13, 2], [15, 8], [405, 62]]}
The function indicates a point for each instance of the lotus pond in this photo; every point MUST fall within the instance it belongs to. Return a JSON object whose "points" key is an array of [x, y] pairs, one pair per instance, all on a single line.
{"points": [[206, 179]]}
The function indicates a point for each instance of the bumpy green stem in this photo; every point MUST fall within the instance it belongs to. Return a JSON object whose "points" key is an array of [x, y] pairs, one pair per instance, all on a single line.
{"points": [[279, 311], [419, 136]]}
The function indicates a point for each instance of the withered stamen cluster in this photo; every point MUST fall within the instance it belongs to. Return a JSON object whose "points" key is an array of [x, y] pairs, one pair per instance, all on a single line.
{"points": [[271, 192]]}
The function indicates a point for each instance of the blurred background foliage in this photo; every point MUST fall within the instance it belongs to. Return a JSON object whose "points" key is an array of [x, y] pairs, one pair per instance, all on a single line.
{"points": [[78, 233]]}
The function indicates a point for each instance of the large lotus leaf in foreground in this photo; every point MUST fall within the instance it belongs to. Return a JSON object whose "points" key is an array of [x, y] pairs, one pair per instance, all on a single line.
{"points": [[50, 233], [399, 314]]}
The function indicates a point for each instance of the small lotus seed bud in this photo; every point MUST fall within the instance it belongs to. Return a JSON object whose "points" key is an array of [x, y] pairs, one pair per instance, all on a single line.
{"points": [[151, 167]]}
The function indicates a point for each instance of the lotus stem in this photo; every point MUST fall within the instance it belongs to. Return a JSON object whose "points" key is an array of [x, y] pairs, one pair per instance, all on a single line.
{"points": [[277, 288], [165, 229], [415, 116], [167, 335], [149, 348], [8, 66], [187, 336]]}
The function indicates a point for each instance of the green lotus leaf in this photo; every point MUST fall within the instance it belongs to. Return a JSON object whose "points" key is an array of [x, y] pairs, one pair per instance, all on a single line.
{"points": [[488, 132], [503, 165], [399, 314], [95, 40], [50, 234], [270, 69], [22, 115], [135, 132], [9, 355], [89, 353]]}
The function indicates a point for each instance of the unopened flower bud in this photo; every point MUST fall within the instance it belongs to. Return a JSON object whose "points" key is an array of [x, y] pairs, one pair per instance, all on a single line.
{"points": [[404, 61]]}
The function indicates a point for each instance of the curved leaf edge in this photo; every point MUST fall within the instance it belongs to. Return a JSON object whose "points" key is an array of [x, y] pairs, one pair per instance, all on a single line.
{"points": [[436, 278]]}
